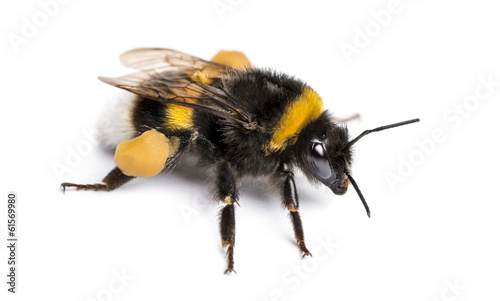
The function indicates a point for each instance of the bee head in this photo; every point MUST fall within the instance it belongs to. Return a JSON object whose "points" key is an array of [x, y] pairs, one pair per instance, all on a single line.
{"points": [[329, 157]]}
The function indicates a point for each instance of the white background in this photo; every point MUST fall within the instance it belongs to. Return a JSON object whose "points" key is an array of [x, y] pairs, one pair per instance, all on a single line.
{"points": [[434, 235]]}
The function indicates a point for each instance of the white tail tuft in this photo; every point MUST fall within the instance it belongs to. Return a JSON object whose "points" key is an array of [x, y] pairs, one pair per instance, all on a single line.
{"points": [[116, 125]]}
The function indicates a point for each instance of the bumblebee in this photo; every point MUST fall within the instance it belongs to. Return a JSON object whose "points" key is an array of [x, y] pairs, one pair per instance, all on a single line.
{"points": [[239, 120]]}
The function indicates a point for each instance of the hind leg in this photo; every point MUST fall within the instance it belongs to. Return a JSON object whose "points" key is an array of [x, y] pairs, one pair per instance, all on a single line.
{"points": [[113, 180], [117, 178]]}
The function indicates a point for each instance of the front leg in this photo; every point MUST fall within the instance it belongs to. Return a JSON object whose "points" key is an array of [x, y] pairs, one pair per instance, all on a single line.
{"points": [[290, 201]]}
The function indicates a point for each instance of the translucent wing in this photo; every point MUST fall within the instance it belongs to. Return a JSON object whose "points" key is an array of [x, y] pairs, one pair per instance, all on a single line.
{"points": [[160, 58], [173, 77]]}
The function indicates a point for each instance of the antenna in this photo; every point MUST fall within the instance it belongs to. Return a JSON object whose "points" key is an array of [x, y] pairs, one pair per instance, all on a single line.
{"points": [[385, 127], [359, 193], [350, 143]]}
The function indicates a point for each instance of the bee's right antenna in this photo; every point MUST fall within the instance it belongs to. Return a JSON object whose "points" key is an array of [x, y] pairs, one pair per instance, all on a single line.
{"points": [[385, 127], [359, 193]]}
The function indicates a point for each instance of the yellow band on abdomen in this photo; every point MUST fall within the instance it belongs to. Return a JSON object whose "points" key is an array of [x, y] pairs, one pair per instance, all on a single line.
{"points": [[178, 117]]}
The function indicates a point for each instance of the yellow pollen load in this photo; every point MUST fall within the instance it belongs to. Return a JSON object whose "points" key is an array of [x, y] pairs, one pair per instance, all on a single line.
{"points": [[146, 155], [202, 77], [179, 117], [306, 108], [234, 59]]}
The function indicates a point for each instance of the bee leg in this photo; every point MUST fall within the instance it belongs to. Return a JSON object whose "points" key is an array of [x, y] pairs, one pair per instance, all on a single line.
{"points": [[113, 180], [346, 119], [227, 193], [290, 201]]}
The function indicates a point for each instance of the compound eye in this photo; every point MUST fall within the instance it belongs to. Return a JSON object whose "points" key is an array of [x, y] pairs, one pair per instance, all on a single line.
{"points": [[320, 161]]}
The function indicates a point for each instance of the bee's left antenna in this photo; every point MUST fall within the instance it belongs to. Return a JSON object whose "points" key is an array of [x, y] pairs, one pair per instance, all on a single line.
{"points": [[385, 127]]}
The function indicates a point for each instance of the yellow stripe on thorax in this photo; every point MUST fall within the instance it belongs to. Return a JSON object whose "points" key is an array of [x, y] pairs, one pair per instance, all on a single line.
{"points": [[178, 117], [306, 108]]}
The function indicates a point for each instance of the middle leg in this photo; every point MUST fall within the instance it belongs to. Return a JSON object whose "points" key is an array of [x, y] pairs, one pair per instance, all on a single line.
{"points": [[226, 192]]}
